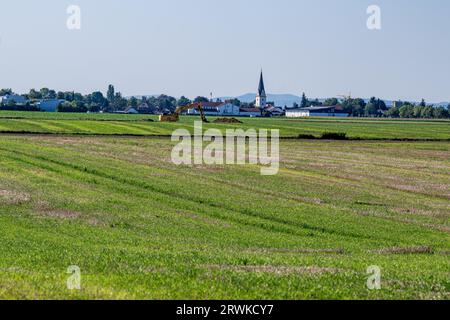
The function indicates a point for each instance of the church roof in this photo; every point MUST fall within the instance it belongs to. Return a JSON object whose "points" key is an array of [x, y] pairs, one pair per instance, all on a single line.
{"points": [[261, 89]]}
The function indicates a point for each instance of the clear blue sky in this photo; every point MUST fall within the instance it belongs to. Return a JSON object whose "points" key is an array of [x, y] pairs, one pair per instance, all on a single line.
{"points": [[193, 47]]}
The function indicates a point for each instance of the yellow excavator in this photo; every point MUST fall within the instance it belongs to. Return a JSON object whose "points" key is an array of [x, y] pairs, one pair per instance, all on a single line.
{"points": [[175, 117]]}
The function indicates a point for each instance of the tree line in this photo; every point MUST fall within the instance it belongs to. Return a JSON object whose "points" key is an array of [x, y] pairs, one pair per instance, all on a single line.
{"points": [[94, 102], [420, 111], [376, 107]]}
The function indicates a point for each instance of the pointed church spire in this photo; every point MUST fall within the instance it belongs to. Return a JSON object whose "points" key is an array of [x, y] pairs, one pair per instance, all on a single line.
{"points": [[261, 89], [261, 98]]}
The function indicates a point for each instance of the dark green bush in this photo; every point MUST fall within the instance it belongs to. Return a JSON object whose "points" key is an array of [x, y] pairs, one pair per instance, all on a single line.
{"points": [[334, 136]]}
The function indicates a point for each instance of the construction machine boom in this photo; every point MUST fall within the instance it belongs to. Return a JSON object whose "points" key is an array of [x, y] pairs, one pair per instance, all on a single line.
{"points": [[175, 117]]}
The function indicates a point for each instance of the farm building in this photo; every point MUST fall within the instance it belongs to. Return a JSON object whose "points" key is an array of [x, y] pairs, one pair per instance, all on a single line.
{"points": [[332, 111], [146, 109], [131, 110], [128, 110], [49, 105], [250, 112], [274, 111], [217, 109], [13, 98]]}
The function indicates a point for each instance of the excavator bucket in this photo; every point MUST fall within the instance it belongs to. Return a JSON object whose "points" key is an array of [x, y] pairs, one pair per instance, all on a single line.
{"points": [[169, 118]]}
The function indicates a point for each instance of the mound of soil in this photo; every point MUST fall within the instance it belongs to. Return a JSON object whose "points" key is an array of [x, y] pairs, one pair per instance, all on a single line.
{"points": [[227, 120]]}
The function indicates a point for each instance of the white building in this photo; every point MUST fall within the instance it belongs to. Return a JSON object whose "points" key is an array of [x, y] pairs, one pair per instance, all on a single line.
{"points": [[217, 109], [333, 111]]}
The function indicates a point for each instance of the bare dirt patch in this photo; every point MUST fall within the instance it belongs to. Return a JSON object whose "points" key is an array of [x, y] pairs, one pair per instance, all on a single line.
{"points": [[71, 215], [310, 200], [227, 120], [61, 214], [210, 169], [422, 212], [278, 270], [43, 208], [14, 197], [436, 227]]}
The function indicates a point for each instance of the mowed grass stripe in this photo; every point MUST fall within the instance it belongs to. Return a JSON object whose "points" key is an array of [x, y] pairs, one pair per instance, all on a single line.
{"points": [[266, 222], [269, 222], [139, 125], [276, 211]]}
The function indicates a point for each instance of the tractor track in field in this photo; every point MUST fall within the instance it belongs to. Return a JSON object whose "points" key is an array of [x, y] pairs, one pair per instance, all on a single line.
{"points": [[269, 223]]}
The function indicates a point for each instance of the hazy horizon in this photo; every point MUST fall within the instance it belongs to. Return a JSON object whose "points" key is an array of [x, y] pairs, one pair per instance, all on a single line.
{"points": [[321, 47]]}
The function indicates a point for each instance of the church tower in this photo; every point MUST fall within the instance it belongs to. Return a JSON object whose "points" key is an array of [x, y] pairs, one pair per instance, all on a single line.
{"points": [[261, 98]]}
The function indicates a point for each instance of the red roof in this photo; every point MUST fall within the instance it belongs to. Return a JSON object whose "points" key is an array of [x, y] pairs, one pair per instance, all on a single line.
{"points": [[250, 110], [211, 104]]}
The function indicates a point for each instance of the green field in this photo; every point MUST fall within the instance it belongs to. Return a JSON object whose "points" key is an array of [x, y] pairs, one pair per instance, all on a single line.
{"points": [[116, 124], [140, 227]]}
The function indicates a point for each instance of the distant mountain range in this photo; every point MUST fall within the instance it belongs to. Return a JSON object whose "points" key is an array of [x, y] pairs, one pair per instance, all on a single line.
{"points": [[288, 100], [144, 96]]}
